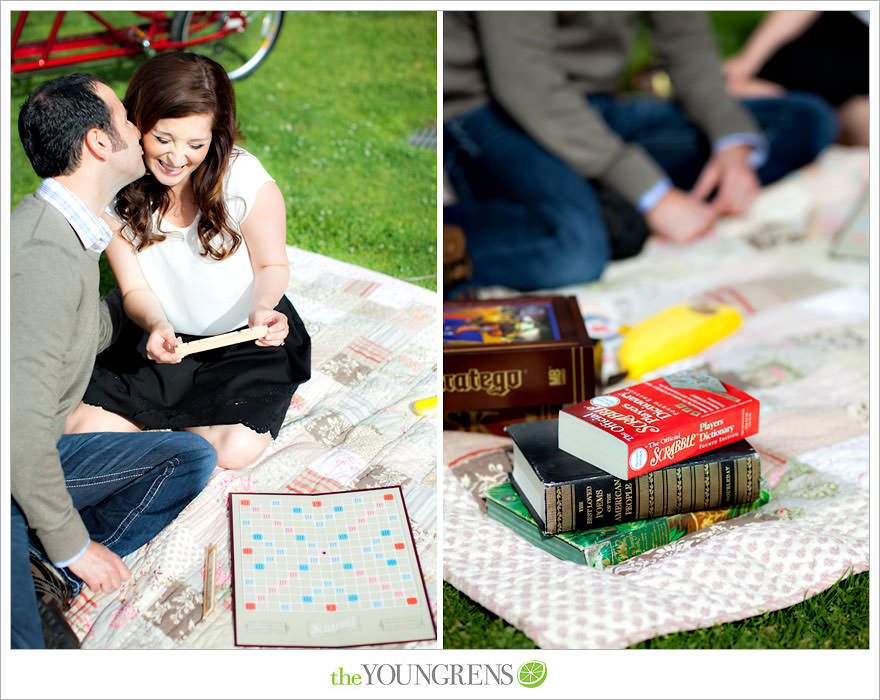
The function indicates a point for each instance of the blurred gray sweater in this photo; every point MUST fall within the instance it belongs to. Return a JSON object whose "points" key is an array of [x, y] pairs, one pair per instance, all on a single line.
{"points": [[538, 66]]}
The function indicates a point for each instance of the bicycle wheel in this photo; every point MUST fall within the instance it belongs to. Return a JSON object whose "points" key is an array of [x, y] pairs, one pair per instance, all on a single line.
{"points": [[252, 35]]}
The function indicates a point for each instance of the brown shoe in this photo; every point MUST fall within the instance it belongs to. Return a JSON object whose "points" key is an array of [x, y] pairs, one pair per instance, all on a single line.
{"points": [[53, 598], [454, 244], [457, 266]]}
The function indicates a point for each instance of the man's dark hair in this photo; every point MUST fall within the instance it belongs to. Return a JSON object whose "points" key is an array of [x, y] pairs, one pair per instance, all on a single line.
{"points": [[54, 121]]}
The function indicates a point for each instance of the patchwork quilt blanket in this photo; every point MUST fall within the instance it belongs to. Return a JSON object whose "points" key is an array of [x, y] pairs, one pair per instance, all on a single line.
{"points": [[352, 425], [802, 350]]}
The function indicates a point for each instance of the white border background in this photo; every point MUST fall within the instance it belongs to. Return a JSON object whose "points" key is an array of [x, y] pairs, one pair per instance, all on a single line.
{"points": [[306, 673]]}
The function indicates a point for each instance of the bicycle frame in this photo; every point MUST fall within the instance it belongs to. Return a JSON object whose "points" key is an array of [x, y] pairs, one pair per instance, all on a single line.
{"points": [[148, 37]]}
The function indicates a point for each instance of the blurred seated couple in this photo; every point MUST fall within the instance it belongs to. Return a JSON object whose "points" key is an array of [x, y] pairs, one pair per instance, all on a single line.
{"points": [[552, 170]]}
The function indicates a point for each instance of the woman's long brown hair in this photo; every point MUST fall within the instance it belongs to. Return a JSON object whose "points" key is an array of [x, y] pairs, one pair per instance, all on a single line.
{"points": [[169, 86]]}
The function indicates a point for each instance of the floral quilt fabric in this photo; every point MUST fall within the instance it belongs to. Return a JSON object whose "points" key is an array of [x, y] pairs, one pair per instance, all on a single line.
{"points": [[352, 425], [802, 350]]}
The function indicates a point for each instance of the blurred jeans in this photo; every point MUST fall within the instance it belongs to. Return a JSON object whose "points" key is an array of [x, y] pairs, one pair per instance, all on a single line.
{"points": [[127, 488], [532, 222]]}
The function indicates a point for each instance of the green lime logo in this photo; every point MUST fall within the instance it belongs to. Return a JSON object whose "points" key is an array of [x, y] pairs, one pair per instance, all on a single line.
{"points": [[531, 674]]}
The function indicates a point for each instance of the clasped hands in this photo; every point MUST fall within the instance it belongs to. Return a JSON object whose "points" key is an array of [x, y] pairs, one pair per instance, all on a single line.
{"points": [[682, 216], [162, 339]]}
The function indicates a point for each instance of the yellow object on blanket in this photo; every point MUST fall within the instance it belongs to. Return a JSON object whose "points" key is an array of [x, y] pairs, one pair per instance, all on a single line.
{"points": [[425, 406], [678, 332]]}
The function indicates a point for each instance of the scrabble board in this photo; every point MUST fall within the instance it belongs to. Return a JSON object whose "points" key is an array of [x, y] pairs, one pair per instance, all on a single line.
{"points": [[326, 570]]}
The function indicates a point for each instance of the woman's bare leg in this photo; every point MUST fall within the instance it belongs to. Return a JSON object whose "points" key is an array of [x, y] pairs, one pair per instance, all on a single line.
{"points": [[94, 419], [237, 445]]}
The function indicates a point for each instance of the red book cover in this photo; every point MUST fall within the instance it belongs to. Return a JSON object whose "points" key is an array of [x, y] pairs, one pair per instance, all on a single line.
{"points": [[650, 425]]}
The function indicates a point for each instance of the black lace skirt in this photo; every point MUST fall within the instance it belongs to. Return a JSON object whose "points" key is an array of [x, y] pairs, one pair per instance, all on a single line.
{"points": [[237, 384]]}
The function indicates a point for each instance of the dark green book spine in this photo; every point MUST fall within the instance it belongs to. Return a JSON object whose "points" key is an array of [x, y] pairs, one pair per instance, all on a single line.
{"points": [[639, 537], [680, 488]]}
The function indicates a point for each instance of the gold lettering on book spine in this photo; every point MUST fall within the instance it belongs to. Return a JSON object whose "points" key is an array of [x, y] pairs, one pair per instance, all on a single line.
{"points": [[550, 510], [750, 479], [707, 493], [679, 491], [745, 474], [720, 477], [691, 488], [688, 495], [565, 514], [747, 471]]}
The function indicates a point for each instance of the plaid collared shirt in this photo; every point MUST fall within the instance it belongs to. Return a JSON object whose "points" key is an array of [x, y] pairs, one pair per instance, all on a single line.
{"points": [[92, 230]]}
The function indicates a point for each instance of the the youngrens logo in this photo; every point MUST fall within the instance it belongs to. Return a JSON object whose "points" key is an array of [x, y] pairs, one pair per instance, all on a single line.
{"points": [[531, 674]]}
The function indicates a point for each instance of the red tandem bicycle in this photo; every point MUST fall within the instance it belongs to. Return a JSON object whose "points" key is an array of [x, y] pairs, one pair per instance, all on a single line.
{"points": [[239, 40]]}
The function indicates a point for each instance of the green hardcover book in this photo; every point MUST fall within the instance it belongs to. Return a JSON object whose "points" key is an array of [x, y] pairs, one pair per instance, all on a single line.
{"points": [[604, 546]]}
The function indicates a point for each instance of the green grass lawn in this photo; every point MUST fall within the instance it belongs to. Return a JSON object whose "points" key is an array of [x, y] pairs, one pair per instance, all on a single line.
{"points": [[834, 619], [329, 114]]}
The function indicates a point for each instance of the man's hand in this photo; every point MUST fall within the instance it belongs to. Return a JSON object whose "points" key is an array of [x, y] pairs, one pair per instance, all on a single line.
{"points": [[161, 343], [100, 569], [275, 320], [680, 217], [729, 175]]}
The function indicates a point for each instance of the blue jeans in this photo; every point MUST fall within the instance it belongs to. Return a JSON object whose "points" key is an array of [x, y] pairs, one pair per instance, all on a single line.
{"points": [[127, 488], [532, 222]]}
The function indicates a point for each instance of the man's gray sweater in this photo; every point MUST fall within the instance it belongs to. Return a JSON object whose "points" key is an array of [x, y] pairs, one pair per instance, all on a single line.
{"points": [[57, 326]]}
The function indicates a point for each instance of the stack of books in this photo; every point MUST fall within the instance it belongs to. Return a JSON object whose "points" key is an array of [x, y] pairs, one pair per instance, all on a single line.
{"points": [[627, 471]]}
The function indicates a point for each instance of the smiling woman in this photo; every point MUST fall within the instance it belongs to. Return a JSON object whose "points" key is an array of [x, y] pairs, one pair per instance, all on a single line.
{"points": [[185, 108], [199, 249], [175, 148], [329, 114]]}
